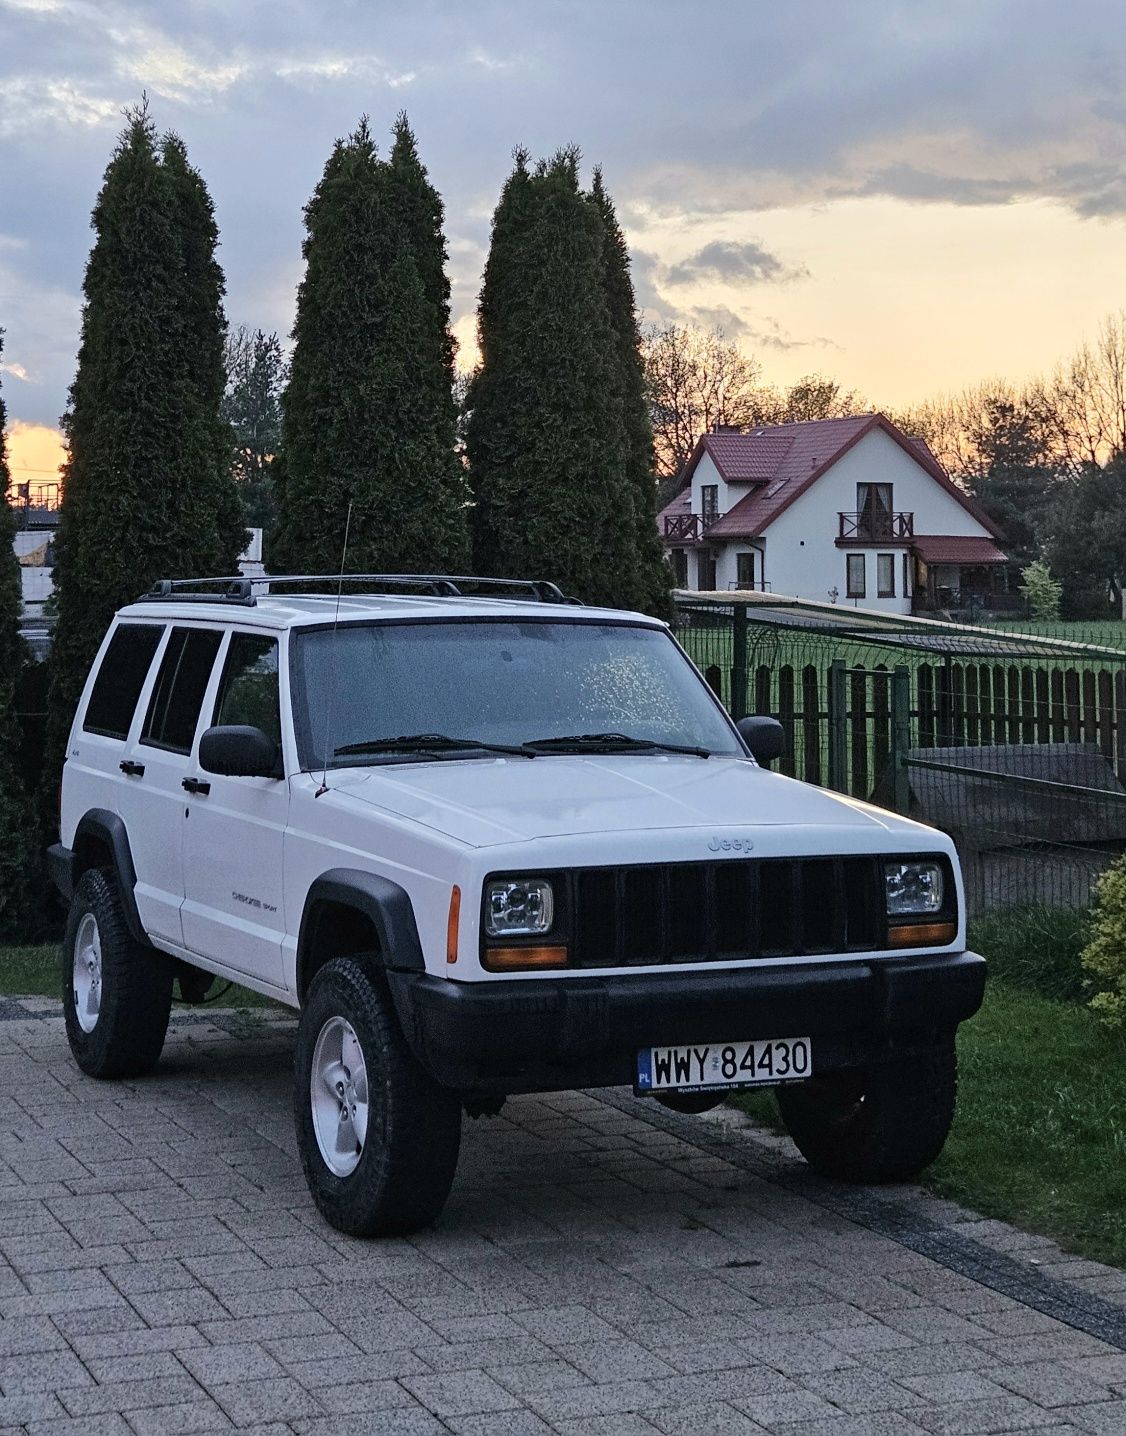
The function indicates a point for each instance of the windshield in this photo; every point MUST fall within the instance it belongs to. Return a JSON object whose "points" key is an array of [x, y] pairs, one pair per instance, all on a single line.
{"points": [[496, 682]]}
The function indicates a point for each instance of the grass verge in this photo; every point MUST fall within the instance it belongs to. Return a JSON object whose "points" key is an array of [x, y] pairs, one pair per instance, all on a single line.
{"points": [[34, 972], [1040, 1134]]}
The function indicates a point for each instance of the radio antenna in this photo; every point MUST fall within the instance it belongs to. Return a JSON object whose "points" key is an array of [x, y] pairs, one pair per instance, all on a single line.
{"points": [[330, 695]]}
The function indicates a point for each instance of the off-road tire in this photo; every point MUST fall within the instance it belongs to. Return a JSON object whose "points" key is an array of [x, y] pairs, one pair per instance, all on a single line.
{"points": [[410, 1151], [883, 1123], [135, 985]]}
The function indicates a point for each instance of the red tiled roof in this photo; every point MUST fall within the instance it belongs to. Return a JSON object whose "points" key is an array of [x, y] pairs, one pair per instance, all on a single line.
{"points": [[952, 548], [782, 461]]}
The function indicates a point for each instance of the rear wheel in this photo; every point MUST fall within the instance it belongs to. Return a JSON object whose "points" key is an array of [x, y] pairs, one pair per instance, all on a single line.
{"points": [[117, 993], [883, 1123], [378, 1137]]}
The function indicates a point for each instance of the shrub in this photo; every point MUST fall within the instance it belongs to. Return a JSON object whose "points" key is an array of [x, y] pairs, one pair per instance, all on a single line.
{"points": [[1038, 948], [1104, 957], [1042, 591]]}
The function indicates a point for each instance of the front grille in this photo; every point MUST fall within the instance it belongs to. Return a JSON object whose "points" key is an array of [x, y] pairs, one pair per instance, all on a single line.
{"points": [[724, 912]]}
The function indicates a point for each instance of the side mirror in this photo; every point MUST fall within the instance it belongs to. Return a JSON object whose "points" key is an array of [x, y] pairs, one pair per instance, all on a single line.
{"points": [[764, 737], [236, 750]]}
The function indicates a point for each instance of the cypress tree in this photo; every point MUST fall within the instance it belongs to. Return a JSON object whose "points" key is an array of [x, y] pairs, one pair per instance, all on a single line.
{"points": [[18, 849], [652, 582], [368, 414], [147, 489], [545, 435]]}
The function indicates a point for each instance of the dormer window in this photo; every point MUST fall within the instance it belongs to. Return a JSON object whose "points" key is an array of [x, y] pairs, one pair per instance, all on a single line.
{"points": [[709, 502]]}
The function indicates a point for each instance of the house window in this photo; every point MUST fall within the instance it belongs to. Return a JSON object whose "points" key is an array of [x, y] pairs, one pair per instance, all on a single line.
{"points": [[906, 575], [680, 567], [874, 511], [885, 575], [745, 570], [709, 503], [854, 568]]}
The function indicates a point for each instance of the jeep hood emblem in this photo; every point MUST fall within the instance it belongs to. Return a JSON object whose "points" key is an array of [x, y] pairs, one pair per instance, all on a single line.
{"points": [[731, 845]]}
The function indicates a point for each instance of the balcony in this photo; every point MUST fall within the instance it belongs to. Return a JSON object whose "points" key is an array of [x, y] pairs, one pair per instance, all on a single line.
{"points": [[869, 527], [689, 528]]}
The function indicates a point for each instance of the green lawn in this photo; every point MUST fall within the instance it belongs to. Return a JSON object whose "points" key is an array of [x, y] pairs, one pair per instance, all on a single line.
{"points": [[35, 972], [1040, 1135]]}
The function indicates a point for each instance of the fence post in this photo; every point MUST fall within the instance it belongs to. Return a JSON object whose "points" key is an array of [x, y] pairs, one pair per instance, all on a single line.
{"points": [[838, 727], [739, 661], [901, 735]]}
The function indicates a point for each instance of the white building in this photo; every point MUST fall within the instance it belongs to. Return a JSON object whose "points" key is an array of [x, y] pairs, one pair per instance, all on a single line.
{"points": [[845, 510]]}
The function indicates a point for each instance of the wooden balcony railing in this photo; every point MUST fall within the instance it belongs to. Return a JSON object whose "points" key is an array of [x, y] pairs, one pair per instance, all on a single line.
{"points": [[871, 527], [687, 528]]}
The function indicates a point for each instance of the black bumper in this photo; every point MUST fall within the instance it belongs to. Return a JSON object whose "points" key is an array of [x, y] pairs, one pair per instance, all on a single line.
{"points": [[553, 1034], [60, 869]]}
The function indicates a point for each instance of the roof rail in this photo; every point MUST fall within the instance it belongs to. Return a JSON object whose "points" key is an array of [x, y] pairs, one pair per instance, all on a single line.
{"points": [[243, 590]]}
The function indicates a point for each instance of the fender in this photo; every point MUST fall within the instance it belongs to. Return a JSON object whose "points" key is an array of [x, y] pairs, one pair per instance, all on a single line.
{"points": [[383, 902], [68, 864]]}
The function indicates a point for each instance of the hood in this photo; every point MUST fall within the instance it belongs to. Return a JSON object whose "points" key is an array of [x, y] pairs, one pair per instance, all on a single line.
{"points": [[483, 803]]}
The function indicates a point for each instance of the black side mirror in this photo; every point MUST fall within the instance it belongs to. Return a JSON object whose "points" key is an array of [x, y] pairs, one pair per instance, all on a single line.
{"points": [[764, 737], [236, 750]]}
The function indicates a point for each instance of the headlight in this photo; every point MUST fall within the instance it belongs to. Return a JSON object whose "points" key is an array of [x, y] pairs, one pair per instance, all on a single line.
{"points": [[913, 889], [518, 907]]}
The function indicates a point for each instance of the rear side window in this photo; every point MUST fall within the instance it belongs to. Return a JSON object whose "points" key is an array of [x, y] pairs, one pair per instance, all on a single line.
{"points": [[121, 678], [180, 686], [248, 692]]}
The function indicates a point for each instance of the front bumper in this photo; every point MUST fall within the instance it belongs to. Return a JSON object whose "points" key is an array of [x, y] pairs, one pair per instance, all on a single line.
{"points": [[557, 1034]]}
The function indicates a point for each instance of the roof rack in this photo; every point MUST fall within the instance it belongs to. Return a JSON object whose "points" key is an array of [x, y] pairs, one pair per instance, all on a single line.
{"points": [[242, 590]]}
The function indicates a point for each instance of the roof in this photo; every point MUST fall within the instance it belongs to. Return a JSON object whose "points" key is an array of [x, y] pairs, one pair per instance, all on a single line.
{"points": [[291, 610], [957, 549], [783, 460]]}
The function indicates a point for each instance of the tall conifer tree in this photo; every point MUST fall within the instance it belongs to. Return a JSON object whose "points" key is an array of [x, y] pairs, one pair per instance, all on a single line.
{"points": [[546, 436], [18, 851], [368, 414], [147, 489], [652, 581]]}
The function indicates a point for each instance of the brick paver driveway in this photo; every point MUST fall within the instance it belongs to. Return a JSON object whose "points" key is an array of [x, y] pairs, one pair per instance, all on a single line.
{"points": [[602, 1267]]}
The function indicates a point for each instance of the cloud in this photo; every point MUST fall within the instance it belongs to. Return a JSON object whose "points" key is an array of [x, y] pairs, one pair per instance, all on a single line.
{"points": [[731, 262], [17, 371]]}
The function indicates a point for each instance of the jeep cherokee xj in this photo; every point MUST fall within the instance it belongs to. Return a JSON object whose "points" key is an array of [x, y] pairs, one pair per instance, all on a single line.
{"points": [[491, 842]]}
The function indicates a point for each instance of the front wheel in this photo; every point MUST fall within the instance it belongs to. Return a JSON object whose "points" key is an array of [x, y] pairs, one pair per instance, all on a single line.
{"points": [[883, 1123], [117, 993], [378, 1137]]}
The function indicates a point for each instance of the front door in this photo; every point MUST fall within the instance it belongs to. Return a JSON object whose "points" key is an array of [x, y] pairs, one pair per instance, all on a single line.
{"points": [[233, 910], [705, 568]]}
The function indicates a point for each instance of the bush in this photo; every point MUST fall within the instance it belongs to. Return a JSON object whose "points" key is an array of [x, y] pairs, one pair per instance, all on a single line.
{"points": [[1042, 591], [1104, 956], [1038, 948]]}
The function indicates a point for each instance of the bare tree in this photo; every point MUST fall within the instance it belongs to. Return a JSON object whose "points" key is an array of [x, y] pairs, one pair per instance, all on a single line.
{"points": [[816, 396], [1083, 402], [696, 379]]}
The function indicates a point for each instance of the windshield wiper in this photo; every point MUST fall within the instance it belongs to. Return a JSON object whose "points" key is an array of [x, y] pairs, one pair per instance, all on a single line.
{"points": [[430, 743], [612, 743]]}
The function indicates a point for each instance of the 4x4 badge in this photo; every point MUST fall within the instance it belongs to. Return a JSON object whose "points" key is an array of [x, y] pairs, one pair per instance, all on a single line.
{"points": [[731, 845]]}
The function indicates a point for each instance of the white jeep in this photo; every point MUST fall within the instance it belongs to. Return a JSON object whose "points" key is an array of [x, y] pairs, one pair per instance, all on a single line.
{"points": [[490, 841]]}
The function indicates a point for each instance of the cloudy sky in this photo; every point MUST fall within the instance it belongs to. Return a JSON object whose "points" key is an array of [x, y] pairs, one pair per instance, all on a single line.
{"points": [[909, 196]]}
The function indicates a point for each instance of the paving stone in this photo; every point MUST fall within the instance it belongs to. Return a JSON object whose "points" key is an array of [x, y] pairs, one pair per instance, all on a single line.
{"points": [[110, 1424], [246, 1402], [245, 1361], [183, 1420], [42, 1371], [460, 1393], [995, 1413], [714, 1417], [131, 1395], [1051, 1384], [504, 1423]]}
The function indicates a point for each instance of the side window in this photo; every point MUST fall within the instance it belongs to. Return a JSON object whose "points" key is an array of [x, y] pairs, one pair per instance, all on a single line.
{"points": [[121, 678], [248, 692], [180, 686]]}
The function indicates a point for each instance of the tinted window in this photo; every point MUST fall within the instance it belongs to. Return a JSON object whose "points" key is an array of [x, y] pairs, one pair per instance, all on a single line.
{"points": [[121, 678], [180, 686], [248, 692]]}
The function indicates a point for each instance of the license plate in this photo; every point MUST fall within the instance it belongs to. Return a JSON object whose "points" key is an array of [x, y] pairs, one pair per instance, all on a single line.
{"points": [[701, 1066]]}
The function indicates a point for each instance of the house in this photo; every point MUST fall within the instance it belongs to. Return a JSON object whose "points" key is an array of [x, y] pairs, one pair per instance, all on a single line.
{"points": [[840, 510]]}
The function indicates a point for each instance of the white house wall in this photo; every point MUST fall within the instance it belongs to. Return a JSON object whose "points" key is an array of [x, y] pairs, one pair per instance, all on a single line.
{"points": [[802, 557]]}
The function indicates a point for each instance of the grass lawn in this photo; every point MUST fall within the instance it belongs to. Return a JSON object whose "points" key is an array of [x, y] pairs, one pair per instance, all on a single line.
{"points": [[1040, 1135], [34, 972]]}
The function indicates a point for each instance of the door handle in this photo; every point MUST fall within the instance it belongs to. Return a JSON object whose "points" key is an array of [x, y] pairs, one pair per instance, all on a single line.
{"points": [[196, 785], [134, 770]]}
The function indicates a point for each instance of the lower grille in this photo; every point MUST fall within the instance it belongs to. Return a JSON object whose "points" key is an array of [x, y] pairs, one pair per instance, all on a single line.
{"points": [[724, 912]]}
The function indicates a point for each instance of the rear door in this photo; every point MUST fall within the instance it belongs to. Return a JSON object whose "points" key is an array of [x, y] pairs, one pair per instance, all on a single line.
{"points": [[153, 802], [233, 910]]}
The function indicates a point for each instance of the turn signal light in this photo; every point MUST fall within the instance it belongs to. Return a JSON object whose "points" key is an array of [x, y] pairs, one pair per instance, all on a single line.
{"points": [[507, 959], [452, 923], [922, 934]]}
